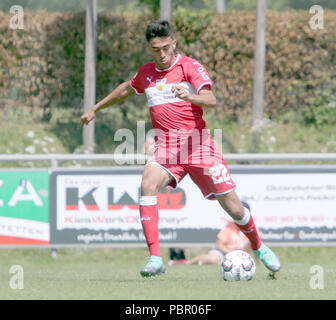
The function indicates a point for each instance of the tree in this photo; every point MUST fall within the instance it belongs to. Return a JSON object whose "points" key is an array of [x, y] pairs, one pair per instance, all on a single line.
{"points": [[154, 5], [306, 4]]}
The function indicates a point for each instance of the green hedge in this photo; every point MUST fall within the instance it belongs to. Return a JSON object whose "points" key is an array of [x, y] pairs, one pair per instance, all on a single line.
{"points": [[42, 66]]}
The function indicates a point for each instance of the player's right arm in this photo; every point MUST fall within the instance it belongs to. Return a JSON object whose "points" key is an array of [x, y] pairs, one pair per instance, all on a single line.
{"points": [[119, 94]]}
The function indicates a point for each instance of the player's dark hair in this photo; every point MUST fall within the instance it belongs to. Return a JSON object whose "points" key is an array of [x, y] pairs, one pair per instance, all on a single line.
{"points": [[159, 28]]}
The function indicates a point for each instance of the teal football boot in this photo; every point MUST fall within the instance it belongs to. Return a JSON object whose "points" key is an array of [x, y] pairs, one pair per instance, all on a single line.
{"points": [[154, 267], [268, 258]]}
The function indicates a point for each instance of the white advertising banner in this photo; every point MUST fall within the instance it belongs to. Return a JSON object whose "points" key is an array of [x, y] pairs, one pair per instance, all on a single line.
{"points": [[102, 207], [103, 202], [302, 206], [290, 200]]}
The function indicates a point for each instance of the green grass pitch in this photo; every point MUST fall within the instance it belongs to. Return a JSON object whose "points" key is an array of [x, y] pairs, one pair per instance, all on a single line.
{"points": [[107, 273]]}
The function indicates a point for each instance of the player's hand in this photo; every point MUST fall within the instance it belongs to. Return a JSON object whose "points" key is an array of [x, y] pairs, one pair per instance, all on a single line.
{"points": [[180, 92], [86, 118]]}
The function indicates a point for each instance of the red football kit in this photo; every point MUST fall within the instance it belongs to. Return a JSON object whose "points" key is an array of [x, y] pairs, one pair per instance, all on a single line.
{"points": [[183, 145]]}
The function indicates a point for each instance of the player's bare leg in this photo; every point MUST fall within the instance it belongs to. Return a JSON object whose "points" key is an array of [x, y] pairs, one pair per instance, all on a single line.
{"points": [[232, 205], [154, 178], [243, 219]]}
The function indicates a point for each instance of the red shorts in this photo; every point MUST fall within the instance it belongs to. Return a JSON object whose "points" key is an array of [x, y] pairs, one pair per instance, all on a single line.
{"points": [[201, 160]]}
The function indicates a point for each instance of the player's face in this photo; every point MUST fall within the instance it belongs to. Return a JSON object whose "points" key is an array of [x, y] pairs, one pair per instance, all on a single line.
{"points": [[163, 51]]}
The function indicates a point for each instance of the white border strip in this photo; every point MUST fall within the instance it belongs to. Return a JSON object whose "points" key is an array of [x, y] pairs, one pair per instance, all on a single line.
{"points": [[22, 228]]}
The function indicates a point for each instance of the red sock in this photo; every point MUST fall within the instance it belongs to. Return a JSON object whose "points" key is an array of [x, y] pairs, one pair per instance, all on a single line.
{"points": [[247, 226], [149, 215]]}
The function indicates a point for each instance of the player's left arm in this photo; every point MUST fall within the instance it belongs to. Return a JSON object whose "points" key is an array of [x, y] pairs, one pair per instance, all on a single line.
{"points": [[205, 97]]}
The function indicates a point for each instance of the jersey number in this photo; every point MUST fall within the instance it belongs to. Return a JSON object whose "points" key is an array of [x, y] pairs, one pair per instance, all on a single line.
{"points": [[220, 174]]}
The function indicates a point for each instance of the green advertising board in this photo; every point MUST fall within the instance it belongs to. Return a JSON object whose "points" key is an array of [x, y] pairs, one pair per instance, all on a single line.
{"points": [[24, 207]]}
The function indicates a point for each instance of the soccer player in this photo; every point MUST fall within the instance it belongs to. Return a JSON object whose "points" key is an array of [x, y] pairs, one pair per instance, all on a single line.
{"points": [[178, 89]]}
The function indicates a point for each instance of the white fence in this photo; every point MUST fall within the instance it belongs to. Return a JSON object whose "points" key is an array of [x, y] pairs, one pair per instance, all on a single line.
{"points": [[141, 158]]}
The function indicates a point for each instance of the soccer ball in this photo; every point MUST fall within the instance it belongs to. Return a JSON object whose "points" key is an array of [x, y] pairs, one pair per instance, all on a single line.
{"points": [[238, 265]]}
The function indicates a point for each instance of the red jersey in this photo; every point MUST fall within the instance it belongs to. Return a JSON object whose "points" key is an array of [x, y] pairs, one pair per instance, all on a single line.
{"points": [[167, 111], [182, 144]]}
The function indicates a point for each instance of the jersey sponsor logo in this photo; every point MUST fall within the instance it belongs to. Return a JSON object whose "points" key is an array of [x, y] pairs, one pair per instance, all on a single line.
{"points": [[160, 83], [162, 93]]}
